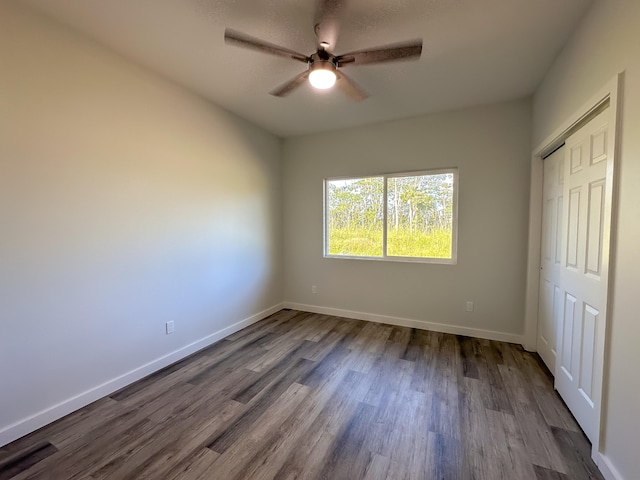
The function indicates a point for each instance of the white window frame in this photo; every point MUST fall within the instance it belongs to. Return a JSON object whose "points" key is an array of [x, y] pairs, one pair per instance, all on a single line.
{"points": [[390, 258]]}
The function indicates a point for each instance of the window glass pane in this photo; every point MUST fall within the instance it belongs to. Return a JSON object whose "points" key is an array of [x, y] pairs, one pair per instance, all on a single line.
{"points": [[420, 216], [354, 217]]}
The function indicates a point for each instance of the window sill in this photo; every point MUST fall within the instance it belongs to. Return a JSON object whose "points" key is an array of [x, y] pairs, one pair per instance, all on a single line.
{"points": [[437, 261]]}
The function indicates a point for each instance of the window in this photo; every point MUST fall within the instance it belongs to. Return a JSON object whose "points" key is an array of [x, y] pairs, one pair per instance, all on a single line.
{"points": [[404, 217]]}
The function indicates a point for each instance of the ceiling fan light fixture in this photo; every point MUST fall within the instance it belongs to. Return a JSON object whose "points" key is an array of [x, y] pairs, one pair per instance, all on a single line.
{"points": [[322, 65], [322, 75]]}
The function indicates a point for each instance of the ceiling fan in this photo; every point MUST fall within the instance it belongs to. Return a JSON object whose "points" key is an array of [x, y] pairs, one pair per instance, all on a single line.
{"points": [[324, 66]]}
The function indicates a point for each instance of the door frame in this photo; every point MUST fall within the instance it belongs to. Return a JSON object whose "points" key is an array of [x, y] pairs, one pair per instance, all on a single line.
{"points": [[609, 95]]}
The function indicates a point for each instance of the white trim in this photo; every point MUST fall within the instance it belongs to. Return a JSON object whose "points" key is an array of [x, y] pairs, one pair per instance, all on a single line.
{"points": [[533, 256], [385, 219], [453, 260], [609, 92], [44, 417], [437, 261], [607, 469], [409, 322]]}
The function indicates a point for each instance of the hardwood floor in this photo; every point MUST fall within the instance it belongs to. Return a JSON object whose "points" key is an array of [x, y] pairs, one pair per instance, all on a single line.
{"points": [[301, 395]]}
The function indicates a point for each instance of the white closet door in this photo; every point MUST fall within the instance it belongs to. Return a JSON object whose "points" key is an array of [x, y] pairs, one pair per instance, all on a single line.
{"points": [[550, 303], [584, 270]]}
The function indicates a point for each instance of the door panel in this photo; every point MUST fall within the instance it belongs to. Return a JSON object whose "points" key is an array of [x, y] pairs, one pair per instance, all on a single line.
{"points": [[550, 305], [595, 227], [589, 326], [559, 228], [574, 223], [583, 274], [566, 347]]}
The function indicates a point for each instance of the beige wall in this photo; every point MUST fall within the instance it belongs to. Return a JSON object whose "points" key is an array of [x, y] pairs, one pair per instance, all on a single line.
{"points": [[491, 147], [606, 43], [125, 202]]}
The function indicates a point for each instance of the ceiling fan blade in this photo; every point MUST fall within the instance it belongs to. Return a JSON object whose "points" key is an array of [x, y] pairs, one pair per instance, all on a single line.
{"points": [[327, 23], [243, 40], [286, 88], [398, 51], [350, 88]]}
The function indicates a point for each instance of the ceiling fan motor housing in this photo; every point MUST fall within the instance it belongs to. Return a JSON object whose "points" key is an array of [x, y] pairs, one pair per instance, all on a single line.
{"points": [[323, 59]]}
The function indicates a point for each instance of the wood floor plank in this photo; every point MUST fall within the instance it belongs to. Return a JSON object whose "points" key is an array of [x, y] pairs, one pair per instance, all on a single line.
{"points": [[508, 448], [70, 428], [537, 435], [576, 453], [241, 425], [151, 381], [193, 466], [372, 338], [74, 461], [445, 390], [276, 372], [348, 458], [234, 460], [10, 466], [399, 415], [186, 447], [377, 468], [476, 442], [425, 364], [323, 324], [497, 395], [269, 324], [336, 339], [310, 396], [342, 392], [468, 357], [518, 451], [546, 474], [313, 443], [234, 360], [444, 457], [554, 410]]}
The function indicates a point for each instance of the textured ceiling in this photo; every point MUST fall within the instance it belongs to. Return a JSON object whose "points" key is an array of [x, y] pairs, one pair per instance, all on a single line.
{"points": [[475, 52]]}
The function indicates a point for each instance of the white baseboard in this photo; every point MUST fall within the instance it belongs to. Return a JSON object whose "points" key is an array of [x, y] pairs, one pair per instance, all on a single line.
{"points": [[409, 322], [44, 417], [608, 471]]}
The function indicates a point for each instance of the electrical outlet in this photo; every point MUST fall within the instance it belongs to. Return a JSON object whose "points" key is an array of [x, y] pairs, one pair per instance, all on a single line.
{"points": [[169, 327], [314, 289], [469, 306]]}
